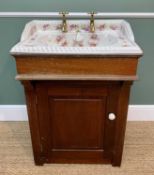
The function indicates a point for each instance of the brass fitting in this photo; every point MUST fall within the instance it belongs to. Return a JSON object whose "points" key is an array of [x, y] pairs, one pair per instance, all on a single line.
{"points": [[64, 23], [92, 22]]}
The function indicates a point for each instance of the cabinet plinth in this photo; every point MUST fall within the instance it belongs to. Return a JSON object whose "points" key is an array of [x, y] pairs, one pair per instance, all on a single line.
{"points": [[77, 106]]}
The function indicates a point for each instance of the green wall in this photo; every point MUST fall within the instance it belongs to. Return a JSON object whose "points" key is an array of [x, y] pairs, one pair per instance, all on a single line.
{"points": [[77, 5], [11, 91]]}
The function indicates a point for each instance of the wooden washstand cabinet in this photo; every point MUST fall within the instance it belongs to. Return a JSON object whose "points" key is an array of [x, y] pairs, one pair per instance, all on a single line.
{"points": [[77, 105]]}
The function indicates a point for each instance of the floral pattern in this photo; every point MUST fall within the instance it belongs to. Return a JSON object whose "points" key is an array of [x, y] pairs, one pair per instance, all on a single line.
{"points": [[46, 37], [99, 38], [72, 27], [66, 40]]}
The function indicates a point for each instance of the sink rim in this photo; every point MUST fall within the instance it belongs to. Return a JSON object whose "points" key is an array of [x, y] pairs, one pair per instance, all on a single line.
{"points": [[101, 50]]}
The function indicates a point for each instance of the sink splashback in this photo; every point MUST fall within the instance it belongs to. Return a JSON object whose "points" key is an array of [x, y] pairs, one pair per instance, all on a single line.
{"points": [[46, 37]]}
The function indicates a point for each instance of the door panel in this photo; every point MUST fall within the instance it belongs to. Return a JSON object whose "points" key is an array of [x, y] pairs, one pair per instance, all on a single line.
{"points": [[72, 121], [77, 123]]}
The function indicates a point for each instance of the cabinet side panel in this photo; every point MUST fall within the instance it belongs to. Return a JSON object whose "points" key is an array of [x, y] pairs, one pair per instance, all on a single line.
{"points": [[31, 100], [122, 109]]}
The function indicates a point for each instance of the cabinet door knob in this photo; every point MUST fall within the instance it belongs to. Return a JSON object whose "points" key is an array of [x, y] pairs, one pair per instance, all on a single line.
{"points": [[112, 116]]}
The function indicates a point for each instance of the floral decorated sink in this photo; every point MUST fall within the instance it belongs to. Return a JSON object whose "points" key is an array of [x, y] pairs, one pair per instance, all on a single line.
{"points": [[111, 37]]}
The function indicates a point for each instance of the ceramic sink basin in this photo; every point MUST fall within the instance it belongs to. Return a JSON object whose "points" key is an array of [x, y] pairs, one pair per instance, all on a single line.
{"points": [[45, 37]]}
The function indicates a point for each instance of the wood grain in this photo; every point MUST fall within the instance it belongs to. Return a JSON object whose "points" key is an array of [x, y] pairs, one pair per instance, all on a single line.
{"points": [[79, 66]]}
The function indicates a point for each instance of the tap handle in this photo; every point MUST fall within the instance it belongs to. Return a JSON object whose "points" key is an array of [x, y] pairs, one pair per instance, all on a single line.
{"points": [[63, 13], [92, 13]]}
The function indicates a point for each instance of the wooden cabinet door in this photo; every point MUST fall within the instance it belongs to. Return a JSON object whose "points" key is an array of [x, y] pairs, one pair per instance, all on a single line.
{"points": [[72, 119]]}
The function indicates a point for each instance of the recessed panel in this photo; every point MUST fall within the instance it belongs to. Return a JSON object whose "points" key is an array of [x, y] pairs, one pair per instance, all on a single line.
{"points": [[77, 123]]}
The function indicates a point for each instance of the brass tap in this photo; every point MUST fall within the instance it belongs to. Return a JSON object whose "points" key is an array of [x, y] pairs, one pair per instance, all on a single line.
{"points": [[64, 24], [92, 22]]}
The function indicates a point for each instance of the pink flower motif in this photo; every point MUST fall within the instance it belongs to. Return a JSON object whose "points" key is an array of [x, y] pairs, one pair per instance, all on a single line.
{"points": [[114, 26], [59, 26], [46, 26], [101, 27], [73, 26], [59, 38], [94, 37], [64, 44]]}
